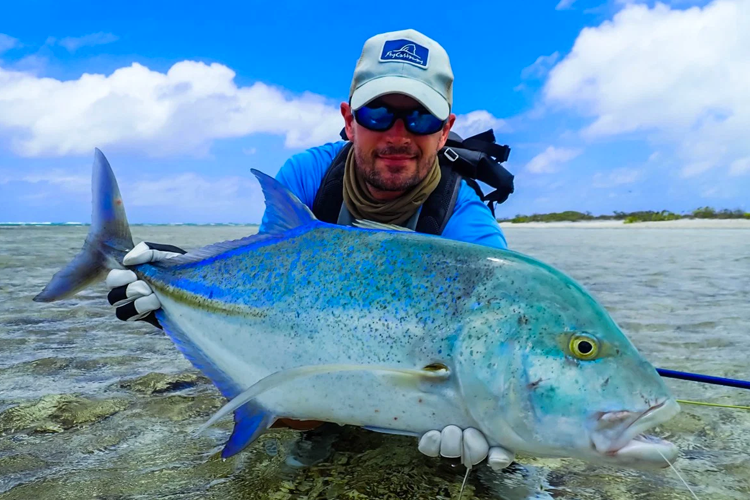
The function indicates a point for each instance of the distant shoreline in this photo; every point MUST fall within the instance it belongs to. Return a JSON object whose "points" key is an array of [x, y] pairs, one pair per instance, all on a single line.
{"points": [[620, 224], [586, 224], [81, 224]]}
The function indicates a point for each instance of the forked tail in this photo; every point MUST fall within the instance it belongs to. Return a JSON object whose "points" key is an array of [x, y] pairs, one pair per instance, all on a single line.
{"points": [[107, 242]]}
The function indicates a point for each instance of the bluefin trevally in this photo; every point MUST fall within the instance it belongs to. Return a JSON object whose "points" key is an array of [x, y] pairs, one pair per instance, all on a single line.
{"points": [[392, 331]]}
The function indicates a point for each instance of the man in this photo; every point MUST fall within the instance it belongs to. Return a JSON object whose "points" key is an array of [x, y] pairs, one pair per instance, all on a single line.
{"points": [[397, 119]]}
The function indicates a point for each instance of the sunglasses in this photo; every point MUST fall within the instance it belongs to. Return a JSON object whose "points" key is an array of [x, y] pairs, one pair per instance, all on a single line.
{"points": [[381, 118]]}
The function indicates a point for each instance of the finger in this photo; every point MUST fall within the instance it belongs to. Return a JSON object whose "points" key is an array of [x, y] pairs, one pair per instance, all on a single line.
{"points": [[122, 295], [166, 248], [499, 458], [143, 253], [120, 277], [140, 254], [138, 309], [475, 447], [451, 442], [429, 444]]}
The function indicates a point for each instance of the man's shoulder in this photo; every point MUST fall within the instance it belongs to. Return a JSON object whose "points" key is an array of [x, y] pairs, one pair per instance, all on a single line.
{"points": [[318, 155], [304, 171], [472, 221]]}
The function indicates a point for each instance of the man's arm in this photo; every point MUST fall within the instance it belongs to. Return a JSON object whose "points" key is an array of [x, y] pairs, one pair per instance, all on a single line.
{"points": [[473, 222]]}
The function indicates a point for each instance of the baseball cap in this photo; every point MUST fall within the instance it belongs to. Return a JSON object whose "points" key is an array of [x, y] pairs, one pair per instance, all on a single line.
{"points": [[404, 62]]}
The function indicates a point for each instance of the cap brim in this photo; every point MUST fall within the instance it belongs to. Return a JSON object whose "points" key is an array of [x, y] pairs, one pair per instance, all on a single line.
{"points": [[421, 92]]}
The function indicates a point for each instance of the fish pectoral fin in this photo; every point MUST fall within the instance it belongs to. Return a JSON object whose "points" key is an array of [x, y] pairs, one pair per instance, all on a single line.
{"points": [[371, 224], [280, 378], [396, 432]]}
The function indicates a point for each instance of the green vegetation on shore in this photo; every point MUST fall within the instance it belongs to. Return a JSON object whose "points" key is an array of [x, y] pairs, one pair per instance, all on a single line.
{"points": [[630, 217]]}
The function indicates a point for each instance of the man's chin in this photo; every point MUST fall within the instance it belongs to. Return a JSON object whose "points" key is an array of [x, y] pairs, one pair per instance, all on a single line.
{"points": [[389, 187], [395, 168]]}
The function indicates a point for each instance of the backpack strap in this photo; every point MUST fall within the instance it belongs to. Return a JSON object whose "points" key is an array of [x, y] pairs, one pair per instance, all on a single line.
{"points": [[479, 158], [330, 195], [438, 208]]}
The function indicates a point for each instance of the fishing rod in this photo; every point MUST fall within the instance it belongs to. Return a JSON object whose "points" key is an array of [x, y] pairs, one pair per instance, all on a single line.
{"points": [[706, 379]]}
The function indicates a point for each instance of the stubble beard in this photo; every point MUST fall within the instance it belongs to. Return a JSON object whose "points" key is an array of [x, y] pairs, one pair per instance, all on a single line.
{"points": [[366, 168]]}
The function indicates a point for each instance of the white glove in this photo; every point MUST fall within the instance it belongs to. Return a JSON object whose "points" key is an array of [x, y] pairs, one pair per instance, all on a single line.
{"points": [[470, 445], [133, 298]]}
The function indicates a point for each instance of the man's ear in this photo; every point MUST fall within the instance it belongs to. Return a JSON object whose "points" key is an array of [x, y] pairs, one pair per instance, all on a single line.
{"points": [[346, 112], [447, 129]]}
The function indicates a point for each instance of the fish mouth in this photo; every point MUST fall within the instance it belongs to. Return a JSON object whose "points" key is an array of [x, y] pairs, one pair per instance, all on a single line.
{"points": [[620, 437]]}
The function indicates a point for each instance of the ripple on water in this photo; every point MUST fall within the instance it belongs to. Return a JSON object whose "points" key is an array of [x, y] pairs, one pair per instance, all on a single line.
{"points": [[127, 432]]}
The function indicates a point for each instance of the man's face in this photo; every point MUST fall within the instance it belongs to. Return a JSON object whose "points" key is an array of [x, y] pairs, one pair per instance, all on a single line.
{"points": [[395, 160]]}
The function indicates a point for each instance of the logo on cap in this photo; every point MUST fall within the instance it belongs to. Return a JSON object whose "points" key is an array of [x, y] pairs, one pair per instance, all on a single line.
{"points": [[405, 51]]}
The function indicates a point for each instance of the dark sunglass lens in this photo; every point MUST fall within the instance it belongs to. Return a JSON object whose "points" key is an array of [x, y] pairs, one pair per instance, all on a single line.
{"points": [[422, 122], [374, 118]]}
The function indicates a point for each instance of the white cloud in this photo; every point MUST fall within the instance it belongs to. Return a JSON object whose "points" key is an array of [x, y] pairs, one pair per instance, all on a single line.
{"points": [[551, 159], [75, 43], [696, 167], [541, 66], [679, 75], [617, 177], [7, 42], [57, 178], [564, 4], [190, 195], [478, 121], [740, 167], [192, 192], [181, 111]]}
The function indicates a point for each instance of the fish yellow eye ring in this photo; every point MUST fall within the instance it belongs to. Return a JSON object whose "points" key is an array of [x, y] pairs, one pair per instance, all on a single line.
{"points": [[584, 347]]}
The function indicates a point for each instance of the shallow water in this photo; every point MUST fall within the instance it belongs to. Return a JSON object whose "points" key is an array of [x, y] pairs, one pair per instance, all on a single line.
{"points": [[91, 407]]}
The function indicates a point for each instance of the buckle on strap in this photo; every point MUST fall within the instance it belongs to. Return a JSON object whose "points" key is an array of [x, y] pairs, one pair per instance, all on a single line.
{"points": [[451, 155]]}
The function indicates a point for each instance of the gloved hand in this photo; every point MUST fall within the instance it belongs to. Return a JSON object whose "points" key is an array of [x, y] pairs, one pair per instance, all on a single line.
{"points": [[470, 445], [133, 298]]}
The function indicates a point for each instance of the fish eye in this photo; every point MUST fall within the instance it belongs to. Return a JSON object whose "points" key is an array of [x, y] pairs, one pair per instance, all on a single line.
{"points": [[584, 347]]}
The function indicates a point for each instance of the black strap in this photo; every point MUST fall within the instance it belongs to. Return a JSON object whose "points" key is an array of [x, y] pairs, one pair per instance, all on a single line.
{"points": [[484, 142], [330, 194], [438, 208], [479, 158]]}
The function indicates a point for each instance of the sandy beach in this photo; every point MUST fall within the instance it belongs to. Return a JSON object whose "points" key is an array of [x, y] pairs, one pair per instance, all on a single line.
{"points": [[617, 224]]}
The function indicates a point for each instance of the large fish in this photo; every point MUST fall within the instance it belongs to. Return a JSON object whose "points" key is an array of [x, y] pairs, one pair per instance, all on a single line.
{"points": [[393, 331]]}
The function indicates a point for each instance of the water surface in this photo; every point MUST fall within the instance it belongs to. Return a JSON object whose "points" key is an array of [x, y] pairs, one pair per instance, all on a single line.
{"points": [[91, 407]]}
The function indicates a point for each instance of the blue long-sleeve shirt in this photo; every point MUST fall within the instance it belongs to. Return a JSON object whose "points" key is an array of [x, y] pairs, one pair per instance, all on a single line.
{"points": [[471, 220]]}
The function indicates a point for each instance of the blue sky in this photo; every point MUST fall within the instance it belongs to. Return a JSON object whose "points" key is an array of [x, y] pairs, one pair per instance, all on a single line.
{"points": [[608, 105]]}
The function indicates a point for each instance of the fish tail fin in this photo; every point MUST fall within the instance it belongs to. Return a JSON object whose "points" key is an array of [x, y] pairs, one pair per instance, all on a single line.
{"points": [[108, 240]]}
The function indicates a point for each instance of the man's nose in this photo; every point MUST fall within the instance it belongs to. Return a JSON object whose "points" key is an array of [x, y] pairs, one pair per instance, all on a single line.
{"points": [[398, 133]]}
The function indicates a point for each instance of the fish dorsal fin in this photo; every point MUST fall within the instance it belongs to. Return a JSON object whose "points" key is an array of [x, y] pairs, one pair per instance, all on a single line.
{"points": [[371, 224], [284, 211]]}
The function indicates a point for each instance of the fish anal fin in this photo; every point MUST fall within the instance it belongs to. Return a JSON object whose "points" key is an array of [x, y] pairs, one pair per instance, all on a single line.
{"points": [[250, 421]]}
